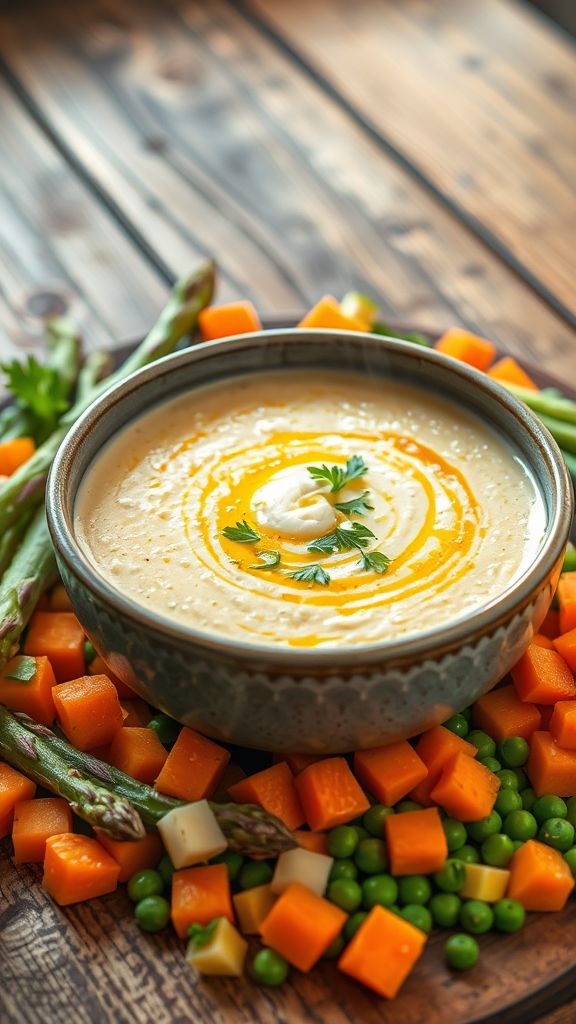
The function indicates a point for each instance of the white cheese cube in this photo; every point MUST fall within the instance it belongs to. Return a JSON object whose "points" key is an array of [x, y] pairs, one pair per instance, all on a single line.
{"points": [[310, 869], [484, 883], [224, 953], [191, 834]]}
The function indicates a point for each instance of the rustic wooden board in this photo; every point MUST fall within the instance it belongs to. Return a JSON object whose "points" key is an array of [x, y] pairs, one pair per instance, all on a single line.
{"points": [[208, 138], [478, 97]]}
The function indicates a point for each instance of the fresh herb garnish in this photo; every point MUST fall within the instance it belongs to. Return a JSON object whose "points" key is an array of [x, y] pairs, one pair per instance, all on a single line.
{"points": [[24, 671], [343, 538], [414, 336], [311, 574], [201, 935], [374, 561], [243, 533], [40, 390], [356, 506], [338, 477], [270, 559]]}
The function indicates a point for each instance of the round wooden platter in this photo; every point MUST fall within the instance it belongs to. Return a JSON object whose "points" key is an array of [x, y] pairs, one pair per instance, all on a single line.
{"points": [[89, 964]]}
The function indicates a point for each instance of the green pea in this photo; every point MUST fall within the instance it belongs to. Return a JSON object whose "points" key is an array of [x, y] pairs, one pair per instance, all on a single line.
{"points": [[90, 652], [546, 807], [373, 820], [343, 869], [497, 850], [455, 833], [508, 800], [253, 873], [417, 915], [165, 869], [558, 833], [485, 745], [371, 856], [509, 915], [335, 948], [570, 858], [528, 797], [569, 563], [476, 917], [269, 968], [152, 913], [480, 830], [461, 952], [233, 861], [346, 894], [353, 923], [513, 751], [467, 854], [379, 890], [445, 909], [458, 724], [508, 779], [165, 728], [451, 877], [521, 777], [520, 824], [361, 832], [342, 841], [517, 843], [467, 713], [145, 883], [408, 805], [491, 763], [570, 810], [414, 889]]}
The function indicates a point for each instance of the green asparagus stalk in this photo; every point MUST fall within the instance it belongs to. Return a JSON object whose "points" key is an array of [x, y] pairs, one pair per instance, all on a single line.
{"points": [[545, 403], [249, 829], [31, 571], [95, 368], [562, 431], [25, 488], [10, 542]]}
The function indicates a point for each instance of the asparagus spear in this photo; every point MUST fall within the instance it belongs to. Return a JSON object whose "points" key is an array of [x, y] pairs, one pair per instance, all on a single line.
{"points": [[10, 542], [95, 367], [545, 403], [249, 829], [25, 488], [31, 571]]}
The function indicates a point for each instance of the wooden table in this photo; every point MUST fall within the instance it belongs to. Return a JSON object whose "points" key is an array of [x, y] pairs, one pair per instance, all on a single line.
{"points": [[422, 152]]}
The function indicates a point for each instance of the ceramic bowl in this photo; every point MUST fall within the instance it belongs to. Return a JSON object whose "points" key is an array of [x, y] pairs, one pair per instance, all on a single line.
{"points": [[298, 699]]}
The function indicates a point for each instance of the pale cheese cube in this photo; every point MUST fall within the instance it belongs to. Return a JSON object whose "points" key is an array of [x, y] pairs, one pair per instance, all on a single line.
{"points": [[484, 883], [252, 906], [224, 953], [304, 866], [191, 834]]}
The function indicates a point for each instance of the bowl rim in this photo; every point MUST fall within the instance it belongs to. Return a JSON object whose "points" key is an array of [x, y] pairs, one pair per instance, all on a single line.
{"points": [[426, 644]]}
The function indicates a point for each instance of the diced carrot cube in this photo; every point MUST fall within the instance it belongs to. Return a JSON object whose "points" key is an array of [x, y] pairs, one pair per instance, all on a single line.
{"points": [[60, 637], [297, 762], [546, 712], [316, 842], [274, 790], [14, 787], [543, 641], [199, 895], [467, 347], [551, 625], [563, 724], [327, 314], [567, 601], [566, 647], [34, 822], [301, 926], [193, 767], [138, 752], [330, 794], [543, 677], [26, 685], [466, 789], [225, 321], [77, 868], [540, 878], [135, 712], [134, 855], [14, 453], [383, 952], [501, 713], [435, 747], [88, 711], [509, 371], [98, 667], [550, 768], [59, 600], [416, 842], [389, 773]]}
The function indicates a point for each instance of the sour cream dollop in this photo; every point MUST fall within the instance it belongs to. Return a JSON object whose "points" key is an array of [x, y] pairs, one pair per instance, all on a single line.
{"points": [[293, 504]]}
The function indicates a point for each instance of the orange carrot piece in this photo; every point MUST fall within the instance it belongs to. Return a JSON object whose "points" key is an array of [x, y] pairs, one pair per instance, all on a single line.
{"points": [[60, 637], [59, 600], [316, 842], [199, 895], [543, 677], [14, 787], [466, 789], [88, 711], [435, 747], [297, 762], [382, 952], [563, 724], [34, 822], [138, 752], [543, 641], [501, 713], [301, 925], [467, 347], [31, 694], [509, 371], [328, 314], [135, 712], [551, 625], [225, 321], [416, 842], [540, 878], [389, 773], [15, 453], [550, 768], [330, 794], [98, 667], [274, 790], [565, 644], [193, 767], [546, 712], [567, 600], [134, 855], [77, 868], [232, 774]]}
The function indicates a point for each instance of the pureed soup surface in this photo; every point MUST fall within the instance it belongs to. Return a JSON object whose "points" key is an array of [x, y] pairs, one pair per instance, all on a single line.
{"points": [[443, 498]]}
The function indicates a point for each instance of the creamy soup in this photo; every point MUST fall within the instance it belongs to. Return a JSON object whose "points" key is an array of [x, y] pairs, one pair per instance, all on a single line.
{"points": [[326, 511]]}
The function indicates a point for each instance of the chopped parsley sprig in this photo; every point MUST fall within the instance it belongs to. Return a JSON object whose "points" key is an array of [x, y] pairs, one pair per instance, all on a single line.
{"points": [[343, 538], [311, 574], [356, 506], [242, 533], [338, 477]]}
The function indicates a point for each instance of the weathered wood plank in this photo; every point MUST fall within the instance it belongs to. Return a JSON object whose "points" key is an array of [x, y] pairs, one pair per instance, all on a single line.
{"points": [[59, 248], [479, 97], [210, 139]]}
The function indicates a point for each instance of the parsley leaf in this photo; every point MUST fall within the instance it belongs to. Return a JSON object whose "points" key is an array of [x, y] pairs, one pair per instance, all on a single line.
{"points": [[270, 559], [374, 561], [311, 574], [338, 477], [201, 935], [40, 390], [343, 538], [23, 671], [356, 506], [243, 533]]}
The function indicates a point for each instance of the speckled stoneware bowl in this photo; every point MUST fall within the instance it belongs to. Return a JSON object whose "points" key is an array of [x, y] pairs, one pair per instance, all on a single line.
{"points": [[297, 699]]}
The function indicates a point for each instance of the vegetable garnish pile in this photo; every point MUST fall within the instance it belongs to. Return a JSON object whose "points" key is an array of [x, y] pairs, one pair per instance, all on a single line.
{"points": [[353, 859]]}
